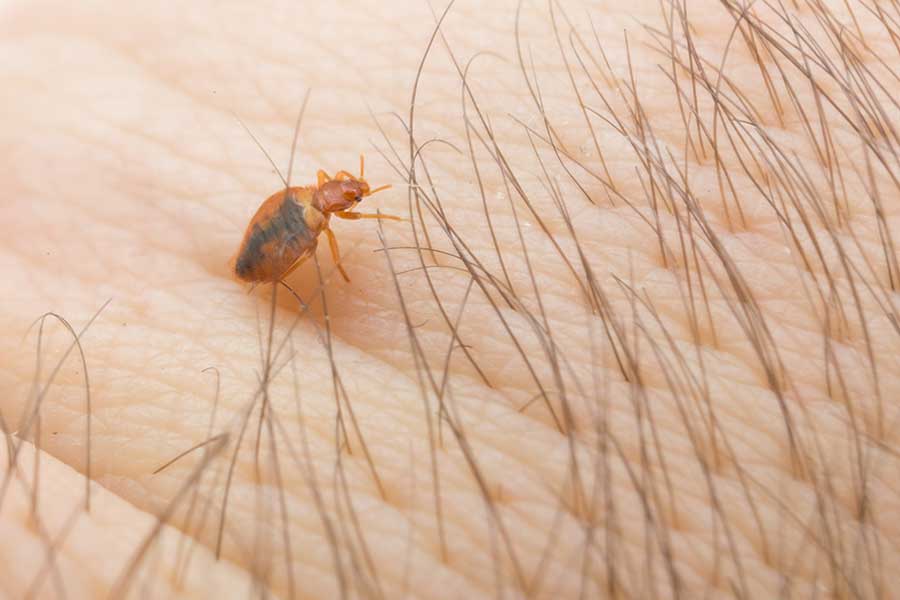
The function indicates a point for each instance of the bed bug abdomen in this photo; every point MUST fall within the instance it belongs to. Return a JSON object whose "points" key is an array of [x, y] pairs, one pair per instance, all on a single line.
{"points": [[284, 228]]}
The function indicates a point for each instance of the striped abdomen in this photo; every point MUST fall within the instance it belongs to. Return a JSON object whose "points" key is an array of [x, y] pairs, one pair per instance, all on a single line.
{"points": [[284, 228]]}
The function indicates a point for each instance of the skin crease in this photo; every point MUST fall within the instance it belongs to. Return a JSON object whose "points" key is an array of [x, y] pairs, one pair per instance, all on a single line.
{"points": [[126, 177]]}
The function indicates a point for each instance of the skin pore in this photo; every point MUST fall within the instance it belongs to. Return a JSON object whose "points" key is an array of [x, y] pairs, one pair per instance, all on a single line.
{"points": [[638, 338]]}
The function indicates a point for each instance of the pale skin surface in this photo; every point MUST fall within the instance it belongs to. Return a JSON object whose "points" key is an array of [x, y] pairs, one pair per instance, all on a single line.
{"points": [[746, 446]]}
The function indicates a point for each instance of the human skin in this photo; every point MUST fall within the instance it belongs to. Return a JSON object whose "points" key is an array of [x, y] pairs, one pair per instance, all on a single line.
{"points": [[678, 381]]}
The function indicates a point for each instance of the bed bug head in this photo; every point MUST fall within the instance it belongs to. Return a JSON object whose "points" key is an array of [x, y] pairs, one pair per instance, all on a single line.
{"points": [[344, 191], [341, 194]]}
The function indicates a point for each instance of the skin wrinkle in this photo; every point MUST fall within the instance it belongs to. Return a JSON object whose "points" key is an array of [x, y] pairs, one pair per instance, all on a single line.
{"points": [[114, 523], [153, 403]]}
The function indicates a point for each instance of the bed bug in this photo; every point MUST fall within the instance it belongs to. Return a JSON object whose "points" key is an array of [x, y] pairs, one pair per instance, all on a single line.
{"points": [[285, 230]]}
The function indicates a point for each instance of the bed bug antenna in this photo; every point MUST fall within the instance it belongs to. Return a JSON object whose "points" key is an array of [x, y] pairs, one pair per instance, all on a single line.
{"points": [[380, 188]]}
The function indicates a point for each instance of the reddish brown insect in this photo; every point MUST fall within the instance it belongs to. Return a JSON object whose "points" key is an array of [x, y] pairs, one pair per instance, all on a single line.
{"points": [[284, 232]]}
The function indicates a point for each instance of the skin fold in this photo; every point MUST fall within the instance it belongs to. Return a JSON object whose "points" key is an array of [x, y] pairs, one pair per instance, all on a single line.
{"points": [[654, 352]]}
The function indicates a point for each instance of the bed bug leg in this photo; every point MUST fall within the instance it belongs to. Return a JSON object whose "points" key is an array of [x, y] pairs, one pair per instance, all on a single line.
{"points": [[303, 305], [335, 253], [346, 214], [296, 264], [322, 177]]}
